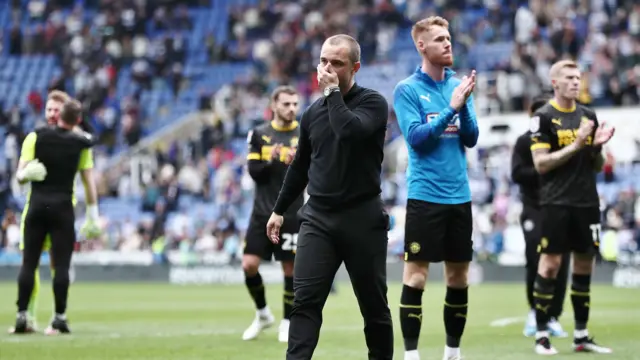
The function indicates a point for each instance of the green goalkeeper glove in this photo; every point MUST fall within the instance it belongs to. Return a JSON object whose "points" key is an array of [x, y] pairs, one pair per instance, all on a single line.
{"points": [[33, 171], [90, 228]]}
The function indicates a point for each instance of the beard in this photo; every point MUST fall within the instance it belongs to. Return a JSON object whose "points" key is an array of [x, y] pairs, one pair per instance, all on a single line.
{"points": [[439, 60], [286, 116]]}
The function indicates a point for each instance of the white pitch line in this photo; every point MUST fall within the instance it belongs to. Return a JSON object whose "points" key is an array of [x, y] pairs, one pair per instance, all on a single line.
{"points": [[506, 321], [615, 313], [95, 335]]}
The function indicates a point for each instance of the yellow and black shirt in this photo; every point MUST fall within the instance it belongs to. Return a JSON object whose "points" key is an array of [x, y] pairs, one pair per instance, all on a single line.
{"points": [[573, 183], [269, 173]]}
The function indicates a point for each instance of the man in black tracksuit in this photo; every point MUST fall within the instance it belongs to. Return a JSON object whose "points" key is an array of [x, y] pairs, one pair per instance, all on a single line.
{"points": [[339, 156], [525, 175]]}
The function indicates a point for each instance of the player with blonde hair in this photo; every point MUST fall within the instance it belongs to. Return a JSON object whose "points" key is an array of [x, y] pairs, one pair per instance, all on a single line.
{"points": [[566, 145], [437, 119]]}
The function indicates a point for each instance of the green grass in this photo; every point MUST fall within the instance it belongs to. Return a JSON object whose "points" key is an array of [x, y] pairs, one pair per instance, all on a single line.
{"points": [[162, 322]]}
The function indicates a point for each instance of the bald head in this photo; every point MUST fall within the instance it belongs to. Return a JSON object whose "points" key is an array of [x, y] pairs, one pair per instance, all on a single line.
{"points": [[348, 41]]}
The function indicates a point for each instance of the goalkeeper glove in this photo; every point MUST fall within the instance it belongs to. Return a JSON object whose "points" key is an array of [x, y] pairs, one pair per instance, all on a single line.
{"points": [[90, 228], [33, 171]]}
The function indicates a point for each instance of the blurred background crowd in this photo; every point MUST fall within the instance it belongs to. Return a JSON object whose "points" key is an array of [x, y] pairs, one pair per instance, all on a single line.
{"points": [[146, 70]]}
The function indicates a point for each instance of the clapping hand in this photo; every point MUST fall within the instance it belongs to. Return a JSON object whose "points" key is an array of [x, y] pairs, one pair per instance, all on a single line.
{"points": [[290, 155], [462, 92], [603, 134], [275, 152], [584, 131]]}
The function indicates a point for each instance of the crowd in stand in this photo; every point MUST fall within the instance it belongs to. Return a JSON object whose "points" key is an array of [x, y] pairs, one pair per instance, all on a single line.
{"points": [[92, 50], [283, 42]]}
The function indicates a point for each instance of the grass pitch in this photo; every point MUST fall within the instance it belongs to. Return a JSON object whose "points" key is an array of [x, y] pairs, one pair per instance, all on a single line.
{"points": [[170, 322]]}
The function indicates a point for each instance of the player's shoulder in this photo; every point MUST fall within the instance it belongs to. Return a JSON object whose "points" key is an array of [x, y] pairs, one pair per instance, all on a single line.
{"points": [[82, 135], [80, 138], [540, 119], [43, 129], [407, 84], [586, 111], [368, 92], [374, 98], [545, 110], [262, 129], [544, 114], [257, 131]]}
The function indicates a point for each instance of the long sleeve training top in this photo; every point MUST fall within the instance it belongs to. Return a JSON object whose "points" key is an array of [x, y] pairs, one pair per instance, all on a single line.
{"points": [[340, 151]]}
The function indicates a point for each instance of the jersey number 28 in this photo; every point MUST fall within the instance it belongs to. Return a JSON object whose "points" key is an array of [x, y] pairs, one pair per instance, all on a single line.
{"points": [[289, 242]]}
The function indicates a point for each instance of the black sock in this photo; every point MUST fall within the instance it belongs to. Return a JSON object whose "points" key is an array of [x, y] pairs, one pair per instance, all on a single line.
{"points": [[287, 297], [26, 279], [581, 299], [411, 316], [558, 298], [455, 314], [543, 294], [61, 289], [256, 289], [530, 279]]}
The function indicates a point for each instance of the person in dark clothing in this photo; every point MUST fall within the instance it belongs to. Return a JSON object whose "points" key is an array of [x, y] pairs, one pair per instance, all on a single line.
{"points": [[339, 157], [272, 146], [566, 146], [55, 101], [525, 175], [50, 158]]}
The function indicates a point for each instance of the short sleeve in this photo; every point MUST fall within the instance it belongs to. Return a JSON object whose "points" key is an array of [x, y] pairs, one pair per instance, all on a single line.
{"points": [[255, 148], [28, 152], [540, 129], [86, 159]]}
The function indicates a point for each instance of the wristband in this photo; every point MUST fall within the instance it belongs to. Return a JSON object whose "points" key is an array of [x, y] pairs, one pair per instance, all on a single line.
{"points": [[92, 211]]}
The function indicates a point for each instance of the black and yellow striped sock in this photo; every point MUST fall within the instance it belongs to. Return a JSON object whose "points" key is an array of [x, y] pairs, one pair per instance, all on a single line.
{"points": [[410, 316], [581, 300], [287, 297], [543, 290], [256, 289], [455, 314]]}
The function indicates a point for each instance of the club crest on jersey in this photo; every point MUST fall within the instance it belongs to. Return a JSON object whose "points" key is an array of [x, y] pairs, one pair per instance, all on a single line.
{"points": [[534, 124], [294, 141]]}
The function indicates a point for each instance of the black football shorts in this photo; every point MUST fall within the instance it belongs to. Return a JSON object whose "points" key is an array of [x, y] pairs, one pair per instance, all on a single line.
{"points": [[438, 232], [257, 242], [569, 229]]}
